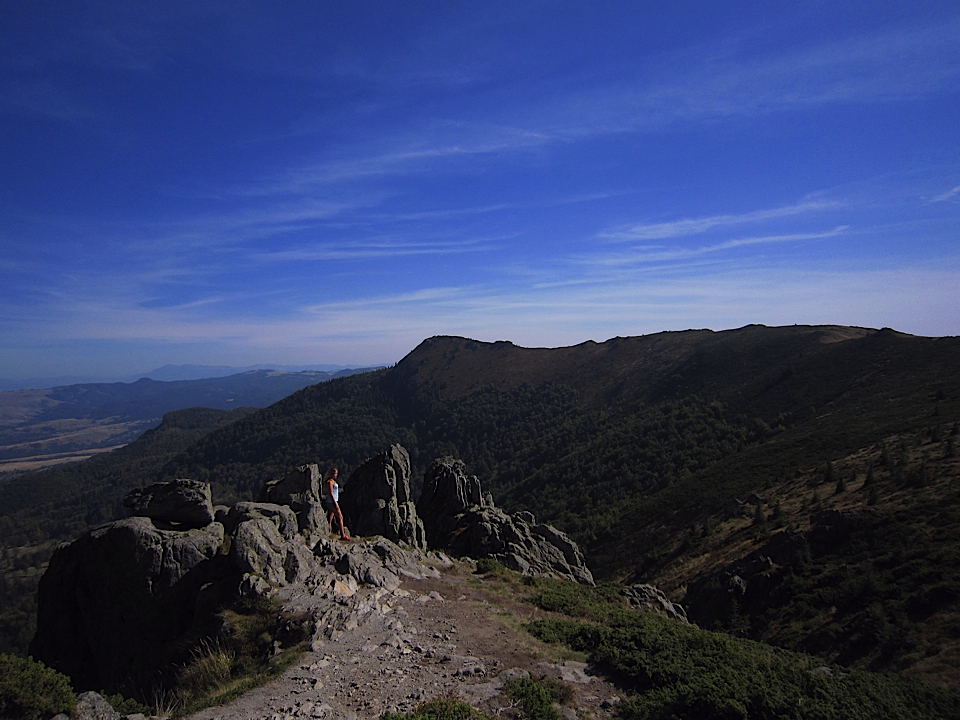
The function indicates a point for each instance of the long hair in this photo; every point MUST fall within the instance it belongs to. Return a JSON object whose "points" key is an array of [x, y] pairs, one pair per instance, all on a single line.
{"points": [[330, 473]]}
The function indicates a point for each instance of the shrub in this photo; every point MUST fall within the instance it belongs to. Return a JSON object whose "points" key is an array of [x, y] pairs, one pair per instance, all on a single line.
{"points": [[489, 565], [443, 709], [124, 705], [673, 670], [29, 689], [534, 698]]}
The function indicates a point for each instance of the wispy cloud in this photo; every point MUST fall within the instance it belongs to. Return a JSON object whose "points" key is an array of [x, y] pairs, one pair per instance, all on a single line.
{"points": [[721, 80], [695, 226], [381, 248], [413, 153], [948, 195], [647, 255]]}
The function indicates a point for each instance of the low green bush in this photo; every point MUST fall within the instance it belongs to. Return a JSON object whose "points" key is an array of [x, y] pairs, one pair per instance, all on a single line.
{"points": [[489, 565], [124, 705], [673, 671], [535, 699], [31, 690], [677, 671], [442, 709]]}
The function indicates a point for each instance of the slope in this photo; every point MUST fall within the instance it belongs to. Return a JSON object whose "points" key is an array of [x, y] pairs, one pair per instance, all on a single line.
{"points": [[640, 447]]}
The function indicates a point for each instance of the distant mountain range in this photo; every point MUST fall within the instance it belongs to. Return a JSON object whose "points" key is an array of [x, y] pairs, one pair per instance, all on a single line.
{"points": [[165, 373], [71, 422]]}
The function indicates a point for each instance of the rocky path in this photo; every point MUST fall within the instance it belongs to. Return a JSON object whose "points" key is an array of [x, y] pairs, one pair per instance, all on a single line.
{"points": [[427, 639]]}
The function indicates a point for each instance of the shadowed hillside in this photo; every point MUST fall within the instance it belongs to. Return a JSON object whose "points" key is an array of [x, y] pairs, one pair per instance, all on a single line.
{"points": [[647, 450]]}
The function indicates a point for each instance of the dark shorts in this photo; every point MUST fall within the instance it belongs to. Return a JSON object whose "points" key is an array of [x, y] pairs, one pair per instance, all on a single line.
{"points": [[327, 503]]}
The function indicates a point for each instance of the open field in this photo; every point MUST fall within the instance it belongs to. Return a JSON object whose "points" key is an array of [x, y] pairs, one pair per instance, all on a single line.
{"points": [[9, 468]]}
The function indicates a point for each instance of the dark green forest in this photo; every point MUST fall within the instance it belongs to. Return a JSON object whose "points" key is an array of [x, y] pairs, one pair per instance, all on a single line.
{"points": [[644, 450]]}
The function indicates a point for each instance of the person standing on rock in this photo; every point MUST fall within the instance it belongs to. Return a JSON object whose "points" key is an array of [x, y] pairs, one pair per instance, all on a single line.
{"points": [[331, 502]]}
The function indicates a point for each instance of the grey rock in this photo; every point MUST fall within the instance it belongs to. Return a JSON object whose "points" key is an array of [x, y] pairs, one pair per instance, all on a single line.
{"points": [[113, 604], [462, 520], [379, 562], [377, 501], [91, 706], [647, 597], [447, 492], [282, 516], [301, 491], [182, 503], [259, 549]]}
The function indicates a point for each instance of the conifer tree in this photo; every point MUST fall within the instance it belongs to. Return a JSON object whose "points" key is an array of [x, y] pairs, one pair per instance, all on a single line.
{"points": [[842, 484]]}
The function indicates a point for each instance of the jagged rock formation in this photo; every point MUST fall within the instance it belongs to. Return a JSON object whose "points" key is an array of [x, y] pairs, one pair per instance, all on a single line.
{"points": [[377, 501], [464, 522], [123, 605], [447, 492], [300, 490], [182, 503]]}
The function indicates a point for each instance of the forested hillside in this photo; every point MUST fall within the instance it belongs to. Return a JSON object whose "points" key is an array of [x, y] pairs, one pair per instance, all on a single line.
{"points": [[670, 456]]}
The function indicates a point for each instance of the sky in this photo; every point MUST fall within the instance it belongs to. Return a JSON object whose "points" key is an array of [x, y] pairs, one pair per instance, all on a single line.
{"points": [[333, 182]]}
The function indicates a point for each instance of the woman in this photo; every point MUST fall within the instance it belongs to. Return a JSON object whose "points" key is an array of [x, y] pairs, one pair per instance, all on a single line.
{"points": [[331, 501]]}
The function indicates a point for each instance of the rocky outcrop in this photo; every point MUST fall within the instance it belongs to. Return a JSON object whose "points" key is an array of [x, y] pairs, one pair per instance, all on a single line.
{"points": [[377, 501], [110, 602], [447, 492], [180, 504], [280, 515], [266, 558], [300, 490], [714, 599], [380, 562], [464, 522], [122, 606], [651, 599]]}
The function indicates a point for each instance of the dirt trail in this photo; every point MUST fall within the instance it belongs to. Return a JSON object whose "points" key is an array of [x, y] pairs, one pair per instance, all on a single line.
{"points": [[445, 637]]}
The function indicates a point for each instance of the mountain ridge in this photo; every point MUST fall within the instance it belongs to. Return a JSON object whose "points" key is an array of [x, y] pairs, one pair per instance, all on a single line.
{"points": [[645, 449]]}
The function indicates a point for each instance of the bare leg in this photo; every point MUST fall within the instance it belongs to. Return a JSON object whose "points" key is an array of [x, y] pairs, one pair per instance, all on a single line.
{"points": [[343, 528]]}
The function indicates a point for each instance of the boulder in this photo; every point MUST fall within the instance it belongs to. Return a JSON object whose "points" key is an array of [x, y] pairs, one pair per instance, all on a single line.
{"points": [[280, 515], [651, 599], [382, 563], [114, 605], [259, 549], [377, 501], [300, 490], [465, 522], [180, 503], [92, 706]]}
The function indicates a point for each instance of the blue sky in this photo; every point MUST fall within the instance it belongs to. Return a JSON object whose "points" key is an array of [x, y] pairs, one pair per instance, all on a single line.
{"points": [[329, 182]]}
